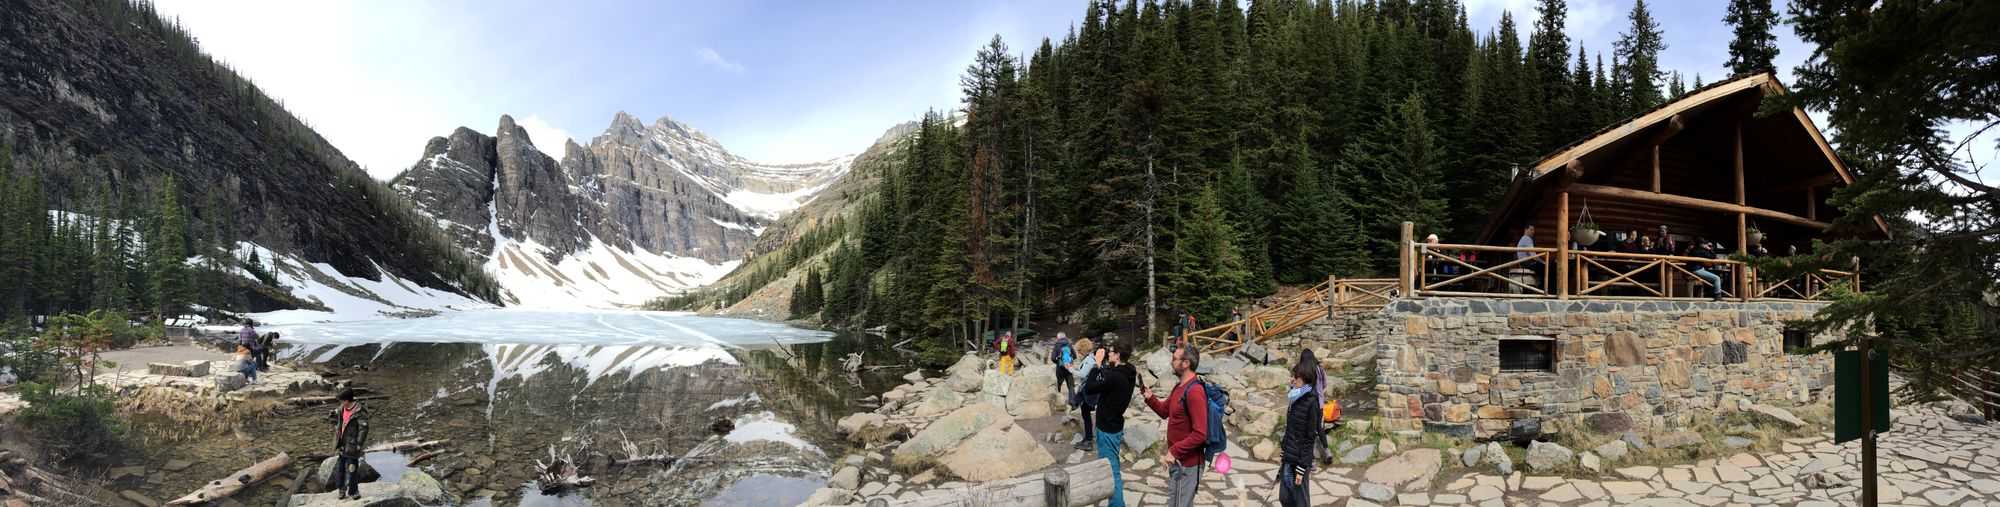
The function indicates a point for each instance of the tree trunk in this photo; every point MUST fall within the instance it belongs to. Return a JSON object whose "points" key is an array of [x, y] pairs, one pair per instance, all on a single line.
{"points": [[1152, 303], [224, 487]]}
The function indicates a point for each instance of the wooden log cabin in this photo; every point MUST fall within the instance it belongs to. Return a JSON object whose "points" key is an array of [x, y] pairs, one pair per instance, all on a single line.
{"points": [[1705, 165]]}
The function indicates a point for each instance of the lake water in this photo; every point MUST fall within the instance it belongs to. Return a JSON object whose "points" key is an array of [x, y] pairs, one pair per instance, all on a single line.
{"points": [[746, 408]]}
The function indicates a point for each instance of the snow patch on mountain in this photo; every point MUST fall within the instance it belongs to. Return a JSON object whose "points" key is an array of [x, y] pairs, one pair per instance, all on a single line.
{"points": [[599, 276], [346, 298]]}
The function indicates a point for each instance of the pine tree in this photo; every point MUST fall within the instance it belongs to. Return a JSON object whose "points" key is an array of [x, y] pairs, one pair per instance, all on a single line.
{"points": [[1754, 47], [1583, 118], [1404, 150], [815, 289], [1675, 87], [1548, 48], [1211, 272], [166, 253], [1639, 52]]}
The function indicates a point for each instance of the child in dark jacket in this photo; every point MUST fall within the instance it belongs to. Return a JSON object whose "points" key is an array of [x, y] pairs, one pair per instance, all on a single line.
{"points": [[1301, 430]]}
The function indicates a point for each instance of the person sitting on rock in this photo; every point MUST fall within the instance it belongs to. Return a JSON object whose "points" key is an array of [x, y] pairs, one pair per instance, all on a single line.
{"points": [[1301, 436], [350, 437], [246, 363]]}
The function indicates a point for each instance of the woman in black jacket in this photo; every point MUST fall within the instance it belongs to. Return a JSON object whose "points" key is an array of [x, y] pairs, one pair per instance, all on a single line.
{"points": [[1113, 387], [1301, 429]]}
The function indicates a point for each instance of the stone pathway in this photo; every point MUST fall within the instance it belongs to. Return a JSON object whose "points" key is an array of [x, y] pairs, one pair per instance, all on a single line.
{"points": [[1927, 459]]}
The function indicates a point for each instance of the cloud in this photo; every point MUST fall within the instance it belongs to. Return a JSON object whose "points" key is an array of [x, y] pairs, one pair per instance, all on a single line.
{"points": [[547, 138], [709, 57]]}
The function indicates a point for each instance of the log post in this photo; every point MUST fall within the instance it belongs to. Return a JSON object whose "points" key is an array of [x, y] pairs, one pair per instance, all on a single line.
{"points": [[1742, 220], [1055, 488], [1562, 236], [1812, 203], [1656, 168], [1406, 256], [878, 502]]}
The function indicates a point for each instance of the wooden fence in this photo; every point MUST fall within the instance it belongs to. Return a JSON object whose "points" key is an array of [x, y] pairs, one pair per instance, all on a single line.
{"points": [[1320, 301]]}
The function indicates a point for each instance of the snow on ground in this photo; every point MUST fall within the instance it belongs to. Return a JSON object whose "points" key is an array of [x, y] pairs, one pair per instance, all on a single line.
{"points": [[601, 276], [348, 298]]}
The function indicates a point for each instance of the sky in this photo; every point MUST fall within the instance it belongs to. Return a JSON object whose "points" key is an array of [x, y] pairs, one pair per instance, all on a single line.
{"points": [[772, 81]]}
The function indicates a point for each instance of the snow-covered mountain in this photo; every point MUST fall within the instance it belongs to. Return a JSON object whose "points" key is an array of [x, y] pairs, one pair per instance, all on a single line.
{"points": [[643, 211]]}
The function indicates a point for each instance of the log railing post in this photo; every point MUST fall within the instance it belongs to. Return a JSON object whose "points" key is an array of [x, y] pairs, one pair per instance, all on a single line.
{"points": [[1562, 243], [1407, 256], [1055, 488]]}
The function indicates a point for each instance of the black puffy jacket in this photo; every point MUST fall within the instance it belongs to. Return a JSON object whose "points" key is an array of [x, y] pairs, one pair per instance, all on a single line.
{"points": [[1301, 430]]}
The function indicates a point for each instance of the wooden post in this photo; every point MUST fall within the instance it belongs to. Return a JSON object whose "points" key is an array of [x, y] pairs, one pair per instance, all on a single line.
{"points": [[1742, 220], [1562, 234], [1055, 488], [1812, 203], [1405, 257], [1656, 168]]}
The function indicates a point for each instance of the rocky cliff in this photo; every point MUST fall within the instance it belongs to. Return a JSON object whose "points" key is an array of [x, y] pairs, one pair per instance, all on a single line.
{"points": [[640, 212]]}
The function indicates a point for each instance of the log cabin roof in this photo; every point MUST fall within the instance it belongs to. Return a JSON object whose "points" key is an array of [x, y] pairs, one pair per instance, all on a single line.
{"points": [[1789, 170]]}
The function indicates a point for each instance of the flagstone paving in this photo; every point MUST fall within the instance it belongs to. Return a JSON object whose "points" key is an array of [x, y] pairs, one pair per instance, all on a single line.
{"points": [[1928, 459]]}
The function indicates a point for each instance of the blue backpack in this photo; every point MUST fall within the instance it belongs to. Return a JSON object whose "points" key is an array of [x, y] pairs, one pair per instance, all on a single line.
{"points": [[1218, 407]]}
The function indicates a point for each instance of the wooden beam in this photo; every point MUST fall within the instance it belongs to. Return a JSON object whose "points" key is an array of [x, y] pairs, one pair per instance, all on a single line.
{"points": [[1609, 192], [1664, 113], [1562, 245], [1404, 276]]}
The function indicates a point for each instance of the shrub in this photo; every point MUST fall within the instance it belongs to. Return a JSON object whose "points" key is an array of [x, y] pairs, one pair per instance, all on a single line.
{"points": [[74, 427]]}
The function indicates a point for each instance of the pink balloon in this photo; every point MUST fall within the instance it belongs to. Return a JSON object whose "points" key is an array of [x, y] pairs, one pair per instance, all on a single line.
{"points": [[1222, 462]]}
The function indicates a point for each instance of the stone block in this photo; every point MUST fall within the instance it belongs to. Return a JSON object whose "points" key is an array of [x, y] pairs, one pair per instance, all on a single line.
{"points": [[1626, 349], [182, 369]]}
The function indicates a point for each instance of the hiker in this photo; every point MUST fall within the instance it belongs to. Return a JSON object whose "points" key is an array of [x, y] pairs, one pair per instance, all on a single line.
{"points": [[1318, 384], [266, 344], [350, 436], [246, 337], [246, 363], [1084, 401], [1301, 431], [1061, 355], [1703, 249], [1186, 412], [1007, 353], [1112, 384]]}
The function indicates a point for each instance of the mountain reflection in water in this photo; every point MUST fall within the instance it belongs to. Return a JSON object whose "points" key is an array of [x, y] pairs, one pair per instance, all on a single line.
{"points": [[602, 401]]}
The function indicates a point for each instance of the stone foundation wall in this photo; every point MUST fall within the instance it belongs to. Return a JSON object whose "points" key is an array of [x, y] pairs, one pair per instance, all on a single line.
{"points": [[1619, 364]]}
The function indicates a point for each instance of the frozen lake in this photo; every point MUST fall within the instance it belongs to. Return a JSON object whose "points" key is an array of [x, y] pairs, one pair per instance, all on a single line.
{"points": [[554, 327]]}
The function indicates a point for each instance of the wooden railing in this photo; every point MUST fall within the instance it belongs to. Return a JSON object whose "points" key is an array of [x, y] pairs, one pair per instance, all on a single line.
{"points": [[1309, 305], [1437, 269]]}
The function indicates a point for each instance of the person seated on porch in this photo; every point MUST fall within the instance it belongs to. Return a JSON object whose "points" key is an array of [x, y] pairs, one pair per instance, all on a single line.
{"points": [[1646, 245], [1666, 245], [1628, 242], [1703, 249], [1526, 271]]}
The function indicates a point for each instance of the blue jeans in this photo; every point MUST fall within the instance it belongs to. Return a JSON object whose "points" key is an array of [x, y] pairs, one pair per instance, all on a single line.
{"points": [[249, 369], [1714, 281], [1107, 448], [346, 475]]}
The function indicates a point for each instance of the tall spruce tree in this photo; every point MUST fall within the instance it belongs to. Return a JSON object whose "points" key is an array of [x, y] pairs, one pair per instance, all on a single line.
{"points": [[1754, 46], [1404, 150], [1639, 52], [1211, 273], [166, 254], [1548, 49], [1897, 80]]}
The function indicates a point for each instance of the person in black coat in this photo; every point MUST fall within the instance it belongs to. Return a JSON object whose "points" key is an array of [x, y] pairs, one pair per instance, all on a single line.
{"points": [[1112, 383], [1301, 435]]}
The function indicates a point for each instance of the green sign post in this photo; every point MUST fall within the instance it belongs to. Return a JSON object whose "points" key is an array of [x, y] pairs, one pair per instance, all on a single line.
{"points": [[1861, 407]]}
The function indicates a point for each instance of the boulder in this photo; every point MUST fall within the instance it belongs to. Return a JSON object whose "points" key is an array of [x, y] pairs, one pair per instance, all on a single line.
{"points": [[965, 375], [1358, 455], [1674, 439], [993, 387], [182, 369], [1267, 377], [1544, 456], [1265, 450], [1262, 423], [1589, 462], [1386, 447], [914, 376], [1470, 457], [848, 478], [946, 433], [1497, 456], [939, 401], [324, 475], [856, 423], [1614, 450], [414, 489], [1375, 492], [828, 496], [1777, 414], [1637, 442], [1141, 437], [1737, 442], [1001, 451], [421, 487], [1031, 399]]}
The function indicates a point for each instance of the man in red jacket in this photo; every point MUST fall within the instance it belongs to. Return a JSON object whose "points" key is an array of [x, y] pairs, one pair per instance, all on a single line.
{"points": [[1186, 411]]}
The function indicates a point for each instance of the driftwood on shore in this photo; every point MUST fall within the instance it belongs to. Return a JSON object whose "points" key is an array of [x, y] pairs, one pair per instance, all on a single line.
{"points": [[1085, 483], [226, 486], [307, 401], [407, 445]]}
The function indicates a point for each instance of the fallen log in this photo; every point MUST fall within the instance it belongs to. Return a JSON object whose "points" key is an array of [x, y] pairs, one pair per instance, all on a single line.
{"points": [[224, 487], [424, 457], [407, 445], [1085, 483], [307, 401]]}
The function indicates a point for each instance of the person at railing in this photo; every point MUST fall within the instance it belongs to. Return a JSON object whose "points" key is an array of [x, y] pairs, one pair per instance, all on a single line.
{"points": [[1646, 245], [1703, 249], [1667, 245]]}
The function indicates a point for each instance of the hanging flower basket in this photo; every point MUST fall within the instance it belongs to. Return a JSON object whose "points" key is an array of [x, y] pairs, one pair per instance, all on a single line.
{"points": [[1585, 231], [1753, 237]]}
